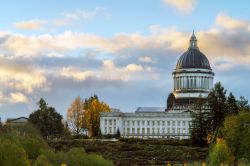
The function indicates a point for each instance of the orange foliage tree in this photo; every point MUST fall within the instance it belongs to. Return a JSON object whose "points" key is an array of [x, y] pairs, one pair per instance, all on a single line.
{"points": [[75, 116], [93, 107]]}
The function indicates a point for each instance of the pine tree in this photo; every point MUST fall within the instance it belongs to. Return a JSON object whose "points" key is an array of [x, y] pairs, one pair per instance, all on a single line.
{"points": [[231, 105], [199, 123], [243, 104], [217, 103], [118, 134]]}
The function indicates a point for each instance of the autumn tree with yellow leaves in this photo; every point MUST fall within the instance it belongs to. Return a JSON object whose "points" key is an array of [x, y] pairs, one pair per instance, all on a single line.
{"points": [[75, 116], [93, 107]]}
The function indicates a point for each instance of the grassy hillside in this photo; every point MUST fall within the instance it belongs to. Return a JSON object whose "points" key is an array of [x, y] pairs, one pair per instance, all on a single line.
{"points": [[138, 152]]}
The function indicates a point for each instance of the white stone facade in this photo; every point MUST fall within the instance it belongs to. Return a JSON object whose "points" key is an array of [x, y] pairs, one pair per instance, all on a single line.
{"points": [[144, 124]]}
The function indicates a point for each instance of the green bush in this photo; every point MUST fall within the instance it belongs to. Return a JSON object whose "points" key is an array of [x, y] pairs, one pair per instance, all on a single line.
{"points": [[42, 161], [33, 146], [75, 157], [12, 154], [220, 154], [236, 132]]}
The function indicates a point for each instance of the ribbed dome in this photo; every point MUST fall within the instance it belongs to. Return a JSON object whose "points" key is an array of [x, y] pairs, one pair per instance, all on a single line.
{"points": [[193, 58]]}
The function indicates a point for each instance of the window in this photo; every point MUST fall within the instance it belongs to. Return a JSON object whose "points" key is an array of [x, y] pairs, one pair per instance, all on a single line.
{"points": [[173, 130], [168, 130], [183, 123], [110, 130], [168, 123], [158, 130], [158, 123], [148, 123], [138, 123], [143, 123], [143, 130], [178, 130], [153, 130], [133, 130], [163, 131], [178, 123], [133, 123], [127, 123], [114, 122], [128, 130], [138, 130], [163, 123], [115, 130], [110, 122], [183, 130], [105, 130], [105, 121], [173, 123], [148, 130], [153, 123]]}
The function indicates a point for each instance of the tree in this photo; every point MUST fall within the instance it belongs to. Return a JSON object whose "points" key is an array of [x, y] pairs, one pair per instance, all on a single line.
{"points": [[243, 104], [231, 105], [75, 116], [236, 132], [217, 102], [93, 107], [47, 120], [220, 154], [199, 122], [118, 134]]}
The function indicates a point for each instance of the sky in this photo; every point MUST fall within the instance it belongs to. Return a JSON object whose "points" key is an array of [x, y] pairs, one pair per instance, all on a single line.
{"points": [[123, 51]]}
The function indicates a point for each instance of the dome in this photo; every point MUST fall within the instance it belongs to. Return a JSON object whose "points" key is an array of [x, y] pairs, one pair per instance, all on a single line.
{"points": [[193, 57]]}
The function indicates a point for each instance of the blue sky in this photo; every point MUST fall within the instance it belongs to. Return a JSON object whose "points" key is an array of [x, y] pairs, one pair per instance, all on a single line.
{"points": [[123, 51]]}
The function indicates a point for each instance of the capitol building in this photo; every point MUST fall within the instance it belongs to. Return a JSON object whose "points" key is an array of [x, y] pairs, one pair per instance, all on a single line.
{"points": [[193, 80]]}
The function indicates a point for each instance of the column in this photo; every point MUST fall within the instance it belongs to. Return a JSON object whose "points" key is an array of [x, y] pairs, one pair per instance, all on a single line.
{"points": [[202, 82], [195, 87]]}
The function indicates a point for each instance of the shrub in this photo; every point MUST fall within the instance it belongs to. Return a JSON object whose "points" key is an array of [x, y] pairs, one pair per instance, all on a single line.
{"points": [[75, 157], [42, 161], [220, 154], [12, 154]]}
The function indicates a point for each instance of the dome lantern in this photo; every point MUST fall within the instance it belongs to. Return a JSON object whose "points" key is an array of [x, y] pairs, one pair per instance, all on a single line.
{"points": [[193, 42]]}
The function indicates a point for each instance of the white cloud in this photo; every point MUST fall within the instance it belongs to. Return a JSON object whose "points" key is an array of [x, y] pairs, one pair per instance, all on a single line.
{"points": [[228, 22], [76, 73], [21, 77], [145, 59], [184, 6], [18, 98], [108, 72], [13, 98], [35, 24], [80, 15], [55, 55]]}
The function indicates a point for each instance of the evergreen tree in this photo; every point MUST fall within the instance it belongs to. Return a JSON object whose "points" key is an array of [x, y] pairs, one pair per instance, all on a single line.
{"points": [[231, 105], [217, 102], [199, 123], [118, 134], [47, 120], [243, 104]]}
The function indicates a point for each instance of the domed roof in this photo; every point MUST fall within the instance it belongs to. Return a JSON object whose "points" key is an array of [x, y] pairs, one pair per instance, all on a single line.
{"points": [[193, 57]]}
